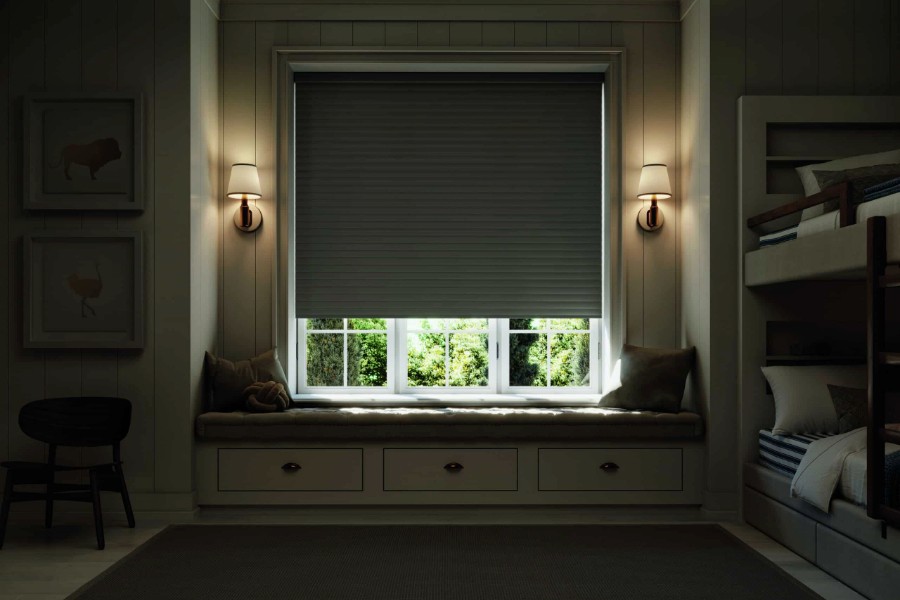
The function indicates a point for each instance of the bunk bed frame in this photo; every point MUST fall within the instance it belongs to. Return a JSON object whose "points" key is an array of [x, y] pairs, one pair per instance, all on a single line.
{"points": [[882, 374], [848, 266]]}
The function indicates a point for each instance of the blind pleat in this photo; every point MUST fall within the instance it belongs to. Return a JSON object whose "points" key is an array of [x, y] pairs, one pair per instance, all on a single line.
{"points": [[448, 195]]}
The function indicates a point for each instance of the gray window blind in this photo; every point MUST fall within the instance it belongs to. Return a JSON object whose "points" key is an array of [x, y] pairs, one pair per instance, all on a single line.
{"points": [[448, 194]]}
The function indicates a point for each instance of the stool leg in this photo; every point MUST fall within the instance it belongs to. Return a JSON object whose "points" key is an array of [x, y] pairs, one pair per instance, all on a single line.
{"points": [[125, 499], [98, 514], [4, 510], [48, 507]]}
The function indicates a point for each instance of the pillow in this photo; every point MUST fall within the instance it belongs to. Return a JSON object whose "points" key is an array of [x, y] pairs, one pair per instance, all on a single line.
{"points": [[266, 397], [851, 406], [861, 178], [652, 379], [802, 401], [811, 186], [226, 380]]}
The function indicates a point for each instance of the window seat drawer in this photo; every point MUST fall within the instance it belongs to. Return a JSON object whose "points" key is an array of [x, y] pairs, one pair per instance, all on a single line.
{"points": [[609, 469], [290, 469], [450, 469]]}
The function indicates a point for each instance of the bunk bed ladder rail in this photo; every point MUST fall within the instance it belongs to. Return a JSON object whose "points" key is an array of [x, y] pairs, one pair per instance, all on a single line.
{"points": [[882, 371]]}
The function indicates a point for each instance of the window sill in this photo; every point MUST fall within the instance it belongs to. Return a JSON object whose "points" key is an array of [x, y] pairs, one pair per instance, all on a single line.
{"points": [[461, 400]]}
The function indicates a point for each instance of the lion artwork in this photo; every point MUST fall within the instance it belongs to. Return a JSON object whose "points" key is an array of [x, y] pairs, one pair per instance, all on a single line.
{"points": [[93, 156]]}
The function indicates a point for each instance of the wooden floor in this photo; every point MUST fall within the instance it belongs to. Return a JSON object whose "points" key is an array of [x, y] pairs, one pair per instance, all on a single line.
{"points": [[41, 564]]}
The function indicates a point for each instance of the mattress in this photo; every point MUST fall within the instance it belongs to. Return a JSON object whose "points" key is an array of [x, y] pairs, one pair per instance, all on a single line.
{"points": [[782, 454]]}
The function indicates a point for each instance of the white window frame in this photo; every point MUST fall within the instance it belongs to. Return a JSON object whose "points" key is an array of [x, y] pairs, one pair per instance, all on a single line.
{"points": [[596, 362], [304, 387], [498, 364], [402, 354]]}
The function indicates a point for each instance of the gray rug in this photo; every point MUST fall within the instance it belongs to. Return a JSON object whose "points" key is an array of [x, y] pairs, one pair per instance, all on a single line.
{"points": [[517, 562]]}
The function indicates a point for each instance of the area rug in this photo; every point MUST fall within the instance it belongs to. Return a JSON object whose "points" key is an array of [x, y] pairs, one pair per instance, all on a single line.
{"points": [[502, 562]]}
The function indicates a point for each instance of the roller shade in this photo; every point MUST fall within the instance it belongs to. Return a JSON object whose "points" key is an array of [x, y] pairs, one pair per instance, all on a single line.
{"points": [[448, 195]]}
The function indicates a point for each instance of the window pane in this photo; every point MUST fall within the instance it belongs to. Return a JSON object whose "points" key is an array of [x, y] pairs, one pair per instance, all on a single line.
{"points": [[324, 359], [367, 359], [565, 324], [467, 324], [468, 359], [325, 324], [425, 359], [362, 324], [528, 359], [570, 359], [526, 324], [425, 324]]}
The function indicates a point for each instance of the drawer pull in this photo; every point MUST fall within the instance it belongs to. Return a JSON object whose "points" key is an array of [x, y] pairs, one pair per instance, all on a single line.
{"points": [[609, 467], [453, 467], [290, 467]]}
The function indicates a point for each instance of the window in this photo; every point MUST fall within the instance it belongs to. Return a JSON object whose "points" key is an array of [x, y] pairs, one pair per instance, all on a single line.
{"points": [[539, 356], [447, 194]]}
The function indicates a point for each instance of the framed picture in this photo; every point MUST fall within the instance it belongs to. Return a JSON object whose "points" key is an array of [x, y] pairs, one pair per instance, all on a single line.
{"points": [[83, 290], [83, 152]]}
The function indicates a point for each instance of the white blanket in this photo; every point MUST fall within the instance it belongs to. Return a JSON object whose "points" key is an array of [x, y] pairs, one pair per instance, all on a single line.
{"points": [[820, 469], [837, 460]]}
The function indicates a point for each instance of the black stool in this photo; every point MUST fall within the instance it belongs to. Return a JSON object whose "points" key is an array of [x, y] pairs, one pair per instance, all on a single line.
{"points": [[78, 422]]}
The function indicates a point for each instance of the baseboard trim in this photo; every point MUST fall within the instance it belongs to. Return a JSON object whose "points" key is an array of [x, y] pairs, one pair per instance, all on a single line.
{"points": [[161, 507]]}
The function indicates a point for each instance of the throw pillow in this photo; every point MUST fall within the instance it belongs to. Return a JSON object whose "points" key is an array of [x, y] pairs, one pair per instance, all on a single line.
{"points": [[861, 178], [850, 406], [227, 380], [653, 379], [802, 401], [811, 186], [269, 396]]}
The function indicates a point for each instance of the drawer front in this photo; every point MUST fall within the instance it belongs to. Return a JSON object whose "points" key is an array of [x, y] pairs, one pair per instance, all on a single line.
{"points": [[451, 469], [609, 469], [276, 469]]}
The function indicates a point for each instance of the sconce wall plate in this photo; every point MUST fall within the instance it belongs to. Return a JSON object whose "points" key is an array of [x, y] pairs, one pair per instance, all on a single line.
{"points": [[644, 222], [255, 218]]}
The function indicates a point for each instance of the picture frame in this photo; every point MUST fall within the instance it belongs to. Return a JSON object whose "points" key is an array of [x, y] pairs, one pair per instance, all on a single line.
{"points": [[83, 290], [83, 152]]}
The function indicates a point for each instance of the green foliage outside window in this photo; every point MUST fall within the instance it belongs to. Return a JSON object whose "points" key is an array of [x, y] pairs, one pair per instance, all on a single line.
{"points": [[436, 358]]}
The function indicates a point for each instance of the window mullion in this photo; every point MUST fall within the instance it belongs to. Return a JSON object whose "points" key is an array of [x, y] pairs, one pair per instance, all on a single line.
{"points": [[446, 357], [346, 362]]}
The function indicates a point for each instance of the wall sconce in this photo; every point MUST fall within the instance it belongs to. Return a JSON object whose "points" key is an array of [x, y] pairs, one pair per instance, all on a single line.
{"points": [[243, 185], [654, 186]]}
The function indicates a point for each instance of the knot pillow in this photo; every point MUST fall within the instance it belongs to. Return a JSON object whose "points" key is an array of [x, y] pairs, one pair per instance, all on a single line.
{"points": [[653, 379], [266, 396], [227, 380]]}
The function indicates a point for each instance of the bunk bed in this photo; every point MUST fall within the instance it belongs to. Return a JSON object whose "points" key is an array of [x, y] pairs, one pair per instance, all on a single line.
{"points": [[821, 300]]}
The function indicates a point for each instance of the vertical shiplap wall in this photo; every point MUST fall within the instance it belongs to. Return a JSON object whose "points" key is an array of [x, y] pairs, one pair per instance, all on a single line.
{"points": [[90, 46], [821, 47], [650, 135]]}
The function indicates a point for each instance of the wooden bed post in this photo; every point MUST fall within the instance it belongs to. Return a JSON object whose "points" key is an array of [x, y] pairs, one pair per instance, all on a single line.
{"points": [[875, 266]]}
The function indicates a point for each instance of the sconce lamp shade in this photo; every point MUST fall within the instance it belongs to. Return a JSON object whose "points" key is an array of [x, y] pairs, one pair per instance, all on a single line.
{"points": [[244, 182], [654, 183]]}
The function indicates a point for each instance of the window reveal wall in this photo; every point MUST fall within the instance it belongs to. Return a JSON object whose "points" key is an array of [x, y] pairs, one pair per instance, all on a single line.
{"points": [[649, 135]]}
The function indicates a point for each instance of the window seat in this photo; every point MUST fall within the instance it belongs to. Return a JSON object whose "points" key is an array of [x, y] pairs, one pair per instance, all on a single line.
{"points": [[445, 422]]}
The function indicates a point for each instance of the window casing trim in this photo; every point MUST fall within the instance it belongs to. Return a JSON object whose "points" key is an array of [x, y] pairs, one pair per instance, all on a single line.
{"points": [[288, 60]]}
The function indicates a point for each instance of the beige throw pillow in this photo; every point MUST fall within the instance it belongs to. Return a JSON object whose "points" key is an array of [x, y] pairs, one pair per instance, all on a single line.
{"points": [[802, 401], [652, 379]]}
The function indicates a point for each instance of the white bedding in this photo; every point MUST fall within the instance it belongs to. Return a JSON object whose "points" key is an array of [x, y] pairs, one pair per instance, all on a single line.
{"points": [[836, 464], [882, 207]]}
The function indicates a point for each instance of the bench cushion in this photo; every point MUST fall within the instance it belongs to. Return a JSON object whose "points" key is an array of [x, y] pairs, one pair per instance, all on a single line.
{"points": [[383, 423]]}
